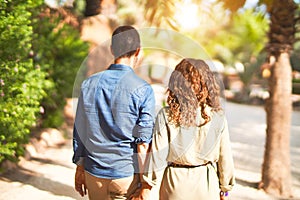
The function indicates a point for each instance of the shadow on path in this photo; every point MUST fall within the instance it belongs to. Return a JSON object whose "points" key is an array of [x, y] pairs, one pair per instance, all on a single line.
{"points": [[247, 183], [29, 177], [51, 162]]}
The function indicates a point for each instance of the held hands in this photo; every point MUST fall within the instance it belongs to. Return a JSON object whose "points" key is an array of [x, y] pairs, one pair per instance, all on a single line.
{"points": [[80, 185], [142, 193]]}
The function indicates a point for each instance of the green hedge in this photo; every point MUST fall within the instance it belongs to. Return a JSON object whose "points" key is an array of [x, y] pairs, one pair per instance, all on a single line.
{"points": [[22, 84], [39, 59], [59, 51]]}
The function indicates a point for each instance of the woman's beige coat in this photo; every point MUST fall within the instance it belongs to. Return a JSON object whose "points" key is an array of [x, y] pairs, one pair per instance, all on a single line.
{"points": [[191, 146]]}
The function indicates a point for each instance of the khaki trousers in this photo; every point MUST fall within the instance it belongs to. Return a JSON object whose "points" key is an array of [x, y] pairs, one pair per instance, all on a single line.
{"points": [[110, 189]]}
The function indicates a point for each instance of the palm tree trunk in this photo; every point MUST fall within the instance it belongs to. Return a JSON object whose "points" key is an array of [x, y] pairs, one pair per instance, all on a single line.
{"points": [[276, 172], [276, 175]]}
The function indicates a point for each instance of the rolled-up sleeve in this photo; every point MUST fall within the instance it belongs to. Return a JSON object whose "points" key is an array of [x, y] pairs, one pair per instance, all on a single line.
{"points": [[144, 127], [225, 163], [79, 134], [78, 148]]}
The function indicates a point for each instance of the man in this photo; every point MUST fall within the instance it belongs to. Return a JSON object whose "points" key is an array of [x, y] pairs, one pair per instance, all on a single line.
{"points": [[114, 121]]}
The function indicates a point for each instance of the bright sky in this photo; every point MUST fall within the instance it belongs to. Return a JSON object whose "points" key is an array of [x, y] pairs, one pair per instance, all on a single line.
{"points": [[187, 14], [250, 3], [56, 3]]}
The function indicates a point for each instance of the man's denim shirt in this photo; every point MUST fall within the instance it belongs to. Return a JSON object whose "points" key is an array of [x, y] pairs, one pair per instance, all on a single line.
{"points": [[116, 111]]}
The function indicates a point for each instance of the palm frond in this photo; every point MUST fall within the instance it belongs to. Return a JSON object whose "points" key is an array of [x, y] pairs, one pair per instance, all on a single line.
{"points": [[161, 12], [233, 5]]}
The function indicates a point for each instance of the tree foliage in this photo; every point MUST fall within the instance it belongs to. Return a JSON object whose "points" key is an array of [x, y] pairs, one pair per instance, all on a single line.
{"points": [[160, 13], [22, 84], [239, 37], [39, 58], [243, 40], [245, 37], [59, 51]]}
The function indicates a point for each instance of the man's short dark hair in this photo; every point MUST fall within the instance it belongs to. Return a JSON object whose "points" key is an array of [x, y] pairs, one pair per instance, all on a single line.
{"points": [[125, 41]]}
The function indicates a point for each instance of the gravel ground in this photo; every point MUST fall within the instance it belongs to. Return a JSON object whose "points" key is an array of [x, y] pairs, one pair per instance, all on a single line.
{"points": [[50, 173]]}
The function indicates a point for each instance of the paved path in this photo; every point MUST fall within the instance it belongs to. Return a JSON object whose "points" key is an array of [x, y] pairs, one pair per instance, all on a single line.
{"points": [[50, 174], [247, 131]]}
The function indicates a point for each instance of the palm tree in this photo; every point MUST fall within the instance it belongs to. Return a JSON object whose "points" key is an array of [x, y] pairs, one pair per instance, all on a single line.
{"points": [[276, 172]]}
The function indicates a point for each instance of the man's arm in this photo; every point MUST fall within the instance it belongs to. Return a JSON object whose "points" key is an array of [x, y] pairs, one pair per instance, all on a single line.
{"points": [[144, 191], [80, 185], [78, 159], [144, 130], [143, 134], [142, 150], [79, 148]]}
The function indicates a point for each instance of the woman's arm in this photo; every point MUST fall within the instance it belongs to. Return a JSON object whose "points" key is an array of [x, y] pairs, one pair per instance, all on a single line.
{"points": [[225, 163]]}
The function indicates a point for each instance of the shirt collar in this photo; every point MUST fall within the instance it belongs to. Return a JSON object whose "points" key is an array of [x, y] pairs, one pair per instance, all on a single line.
{"points": [[120, 67]]}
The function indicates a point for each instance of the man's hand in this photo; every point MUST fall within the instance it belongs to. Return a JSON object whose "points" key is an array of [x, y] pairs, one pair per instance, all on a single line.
{"points": [[80, 185], [141, 194]]}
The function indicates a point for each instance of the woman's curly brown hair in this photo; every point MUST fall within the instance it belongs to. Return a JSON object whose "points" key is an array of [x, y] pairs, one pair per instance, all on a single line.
{"points": [[192, 85]]}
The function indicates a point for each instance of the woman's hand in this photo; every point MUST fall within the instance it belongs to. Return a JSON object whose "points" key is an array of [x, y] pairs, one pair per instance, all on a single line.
{"points": [[224, 195], [142, 193], [80, 185], [224, 198]]}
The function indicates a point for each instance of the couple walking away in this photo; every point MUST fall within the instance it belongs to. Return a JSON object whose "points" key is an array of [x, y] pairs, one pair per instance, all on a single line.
{"points": [[122, 150]]}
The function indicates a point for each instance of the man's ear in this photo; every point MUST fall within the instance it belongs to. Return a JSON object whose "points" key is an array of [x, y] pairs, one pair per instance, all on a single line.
{"points": [[137, 52], [111, 50]]}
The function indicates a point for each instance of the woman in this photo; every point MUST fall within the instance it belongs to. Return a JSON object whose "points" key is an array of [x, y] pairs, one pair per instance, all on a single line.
{"points": [[191, 153]]}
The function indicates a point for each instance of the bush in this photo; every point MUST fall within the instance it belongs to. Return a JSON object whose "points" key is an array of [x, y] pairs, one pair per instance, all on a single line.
{"points": [[39, 59], [22, 84], [59, 51]]}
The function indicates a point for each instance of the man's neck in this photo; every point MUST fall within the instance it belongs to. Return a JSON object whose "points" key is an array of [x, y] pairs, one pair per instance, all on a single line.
{"points": [[126, 61]]}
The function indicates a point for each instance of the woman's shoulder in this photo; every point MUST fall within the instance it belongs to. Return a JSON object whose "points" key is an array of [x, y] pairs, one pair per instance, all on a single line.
{"points": [[218, 118], [163, 112], [219, 113], [162, 115], [212, 113]]}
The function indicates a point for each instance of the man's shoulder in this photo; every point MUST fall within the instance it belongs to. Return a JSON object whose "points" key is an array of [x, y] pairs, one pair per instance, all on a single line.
{"points": [[136, 78], [92, 80], [133, 80]]}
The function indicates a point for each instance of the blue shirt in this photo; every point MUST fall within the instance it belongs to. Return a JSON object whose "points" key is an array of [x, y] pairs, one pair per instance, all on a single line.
{"points": [[115, 112]]}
